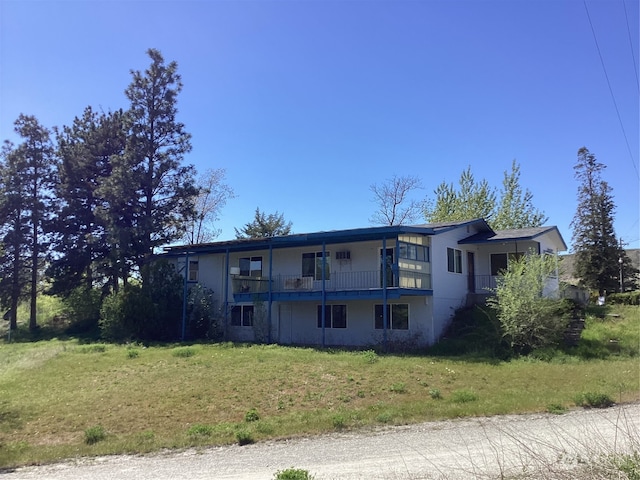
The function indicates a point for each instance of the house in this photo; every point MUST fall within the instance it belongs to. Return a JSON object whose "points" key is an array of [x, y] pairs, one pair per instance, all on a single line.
{"points": [[356, 287]]}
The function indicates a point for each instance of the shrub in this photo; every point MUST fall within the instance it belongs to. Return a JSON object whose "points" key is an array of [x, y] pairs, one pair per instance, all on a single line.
{"points": [[94, 434], [528, 319], [293, 474], [201, 314], [252, 416], [183, 352], [593, 400], [435, 394], [244, 437], [463, 396], [556, 408], [339, 421], [370, 356], [82, 308], [398, 388], [200, 430], [627, 298]]}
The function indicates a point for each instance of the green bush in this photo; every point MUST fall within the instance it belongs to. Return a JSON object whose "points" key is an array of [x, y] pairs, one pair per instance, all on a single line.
{"points": [[593, 400], [463, 396], [94, 434], [528, 319], [244, 437], [627, 298], [200, 430], [201, 314], [293, 474], [183, 352], [82, 308], [252, 416]]}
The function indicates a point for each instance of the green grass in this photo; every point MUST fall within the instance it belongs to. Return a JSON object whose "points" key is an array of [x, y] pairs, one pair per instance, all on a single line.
{"points": [[52, 392]]}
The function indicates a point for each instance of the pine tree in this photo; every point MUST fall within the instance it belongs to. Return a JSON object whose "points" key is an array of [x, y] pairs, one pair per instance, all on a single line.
{"points": [[27, 206], [82, 246], [594, 240], [157, 143], [14, 274], [263, 226]]}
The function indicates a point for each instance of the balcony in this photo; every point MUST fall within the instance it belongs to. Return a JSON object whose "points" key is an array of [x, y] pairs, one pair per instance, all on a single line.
{"points": [[337, 282]]}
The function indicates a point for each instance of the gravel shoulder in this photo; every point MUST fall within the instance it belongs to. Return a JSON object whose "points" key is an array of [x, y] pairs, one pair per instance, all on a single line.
{"points": [[487, 447]]}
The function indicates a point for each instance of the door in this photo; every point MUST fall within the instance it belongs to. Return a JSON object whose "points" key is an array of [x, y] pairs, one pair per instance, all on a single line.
{"points": [[471, 272], [386, 265]]}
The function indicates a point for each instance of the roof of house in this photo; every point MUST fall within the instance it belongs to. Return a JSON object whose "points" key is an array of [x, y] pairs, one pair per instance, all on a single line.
{"points": [[356, 234], [515, 235]]}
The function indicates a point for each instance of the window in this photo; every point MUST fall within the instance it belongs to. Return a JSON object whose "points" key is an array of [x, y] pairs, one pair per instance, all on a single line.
{"points": [[312, 265], [499, 261], [397, 317], [242, 316], [335, 316], [454, 260], [409, 251], [193, 270], [251, 266]]}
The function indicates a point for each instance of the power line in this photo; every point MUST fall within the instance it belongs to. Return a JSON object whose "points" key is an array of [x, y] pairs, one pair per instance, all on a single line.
{"points": [[633, 55], [615, 104]]}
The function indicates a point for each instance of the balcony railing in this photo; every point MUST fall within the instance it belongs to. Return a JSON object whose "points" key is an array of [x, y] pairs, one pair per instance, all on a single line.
{"points": [[485, 283], [337, 281]]}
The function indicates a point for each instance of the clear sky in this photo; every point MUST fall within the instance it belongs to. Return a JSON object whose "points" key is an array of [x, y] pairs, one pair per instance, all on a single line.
{"points": [[308, 103]]}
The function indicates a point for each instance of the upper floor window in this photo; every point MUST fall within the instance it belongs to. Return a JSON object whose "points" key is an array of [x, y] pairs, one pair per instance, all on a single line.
{"points": [[312, 265], [454, 260], [250, 266], [193, 270], [335, 316], [410, 251]]}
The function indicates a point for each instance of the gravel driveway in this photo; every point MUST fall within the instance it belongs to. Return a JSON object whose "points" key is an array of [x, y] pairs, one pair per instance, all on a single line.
{"points": [[551, 445]]}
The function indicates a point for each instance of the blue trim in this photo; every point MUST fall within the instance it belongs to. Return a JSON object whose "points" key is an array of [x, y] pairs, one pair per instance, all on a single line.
{"points": [[318, 295]]}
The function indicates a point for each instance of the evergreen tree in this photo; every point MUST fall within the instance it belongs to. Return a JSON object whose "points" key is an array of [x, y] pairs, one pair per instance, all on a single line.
{"points": [[515, 209], [14, 228], [82, 247], [263, 226], [28, 185], [152, 164], [594, 240]]}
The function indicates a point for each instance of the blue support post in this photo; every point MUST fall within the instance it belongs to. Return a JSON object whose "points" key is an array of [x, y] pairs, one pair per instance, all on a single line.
{"points": [[324, 293], [185, 292], [270, 301], [385, 317]]}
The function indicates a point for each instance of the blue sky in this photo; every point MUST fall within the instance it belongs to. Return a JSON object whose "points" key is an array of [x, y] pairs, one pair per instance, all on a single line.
{"points": [[308, 103]]}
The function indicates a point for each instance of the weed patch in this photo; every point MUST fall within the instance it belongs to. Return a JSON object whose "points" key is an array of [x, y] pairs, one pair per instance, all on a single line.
{"points": [[94, 434]]}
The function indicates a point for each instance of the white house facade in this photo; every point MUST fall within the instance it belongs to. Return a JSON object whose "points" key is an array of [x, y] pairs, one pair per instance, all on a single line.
{"points": [[357, 287]]}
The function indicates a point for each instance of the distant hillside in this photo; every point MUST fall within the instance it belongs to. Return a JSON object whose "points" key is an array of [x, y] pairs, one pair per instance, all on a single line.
{"points": [[566, 264]]}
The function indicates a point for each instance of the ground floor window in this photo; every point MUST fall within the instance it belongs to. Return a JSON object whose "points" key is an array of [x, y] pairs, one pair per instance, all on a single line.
{"points": [[335, 316], [500, 261], [397, 316], [242, 316]]}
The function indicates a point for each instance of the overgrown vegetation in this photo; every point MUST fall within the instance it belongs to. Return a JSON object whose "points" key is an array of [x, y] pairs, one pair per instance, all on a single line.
{"points": [[173, 396]]}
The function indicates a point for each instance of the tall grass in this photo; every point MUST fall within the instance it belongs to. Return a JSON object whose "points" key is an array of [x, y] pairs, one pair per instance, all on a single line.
{"points": [[54, 391]]}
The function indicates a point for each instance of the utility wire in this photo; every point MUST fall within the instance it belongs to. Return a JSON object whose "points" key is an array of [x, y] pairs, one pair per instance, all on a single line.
{"points": [[633, 55], [615, 104]]}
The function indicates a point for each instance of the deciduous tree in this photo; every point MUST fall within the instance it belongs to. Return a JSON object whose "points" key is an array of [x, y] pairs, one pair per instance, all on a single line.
{"points": [[395, 207], [515, 208], [212, 197], [471, 199]]}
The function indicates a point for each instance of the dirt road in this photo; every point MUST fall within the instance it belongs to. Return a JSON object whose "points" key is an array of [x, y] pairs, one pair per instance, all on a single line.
{"points": [[467, 448]]}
